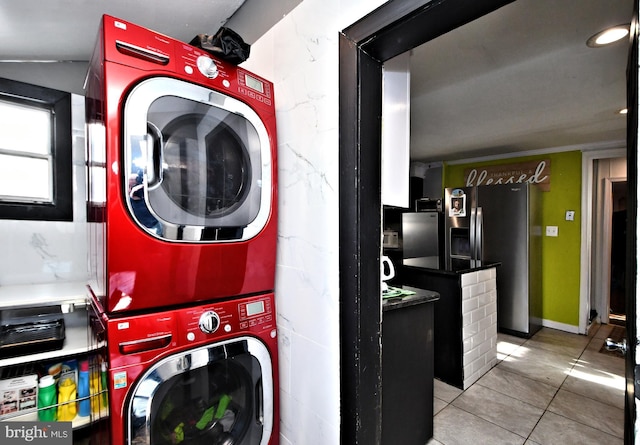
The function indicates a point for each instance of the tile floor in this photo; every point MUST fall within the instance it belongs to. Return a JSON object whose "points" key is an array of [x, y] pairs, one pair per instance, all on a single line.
{"points": [[555, 388]]}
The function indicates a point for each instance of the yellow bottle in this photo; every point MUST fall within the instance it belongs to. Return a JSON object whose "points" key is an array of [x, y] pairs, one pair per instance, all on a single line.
{"points": [[67, 409], [94, 390]]}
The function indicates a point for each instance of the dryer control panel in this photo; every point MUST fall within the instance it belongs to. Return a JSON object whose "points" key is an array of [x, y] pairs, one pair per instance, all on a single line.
{"points": [[209, 322], [255, 312]]}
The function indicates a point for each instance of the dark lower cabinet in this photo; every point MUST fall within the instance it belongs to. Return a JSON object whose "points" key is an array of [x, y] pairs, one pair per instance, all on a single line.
{"points": [[407, 372], [448, 352]]}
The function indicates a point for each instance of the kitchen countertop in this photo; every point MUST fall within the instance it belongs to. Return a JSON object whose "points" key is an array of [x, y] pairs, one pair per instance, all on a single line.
{"points": [[431, 264], [418, 297]]}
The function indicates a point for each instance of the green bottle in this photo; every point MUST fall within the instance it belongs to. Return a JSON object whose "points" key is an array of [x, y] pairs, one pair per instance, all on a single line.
{"points": [[47, 399]]}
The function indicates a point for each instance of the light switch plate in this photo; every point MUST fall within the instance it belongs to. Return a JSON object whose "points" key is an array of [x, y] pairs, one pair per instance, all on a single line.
{"points": [[569, 215], [552, 230]]}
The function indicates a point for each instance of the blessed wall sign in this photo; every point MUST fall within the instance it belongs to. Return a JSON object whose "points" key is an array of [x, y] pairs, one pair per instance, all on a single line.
{"points": [[534, 172]]}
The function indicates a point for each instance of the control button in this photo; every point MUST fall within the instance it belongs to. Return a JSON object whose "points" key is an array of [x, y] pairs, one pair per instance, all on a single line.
{"points": [[207, 67], [273, 333], [226, 83], [191, 336], [227, 328], [188, 69], [209, 322]]}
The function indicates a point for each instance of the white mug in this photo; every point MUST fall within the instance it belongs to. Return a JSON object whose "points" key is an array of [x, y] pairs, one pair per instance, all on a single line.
{"points": [[386, 264]]}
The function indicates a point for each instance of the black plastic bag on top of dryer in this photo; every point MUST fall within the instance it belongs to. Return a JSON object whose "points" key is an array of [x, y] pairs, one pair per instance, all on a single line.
{"points": [[225, 44]]}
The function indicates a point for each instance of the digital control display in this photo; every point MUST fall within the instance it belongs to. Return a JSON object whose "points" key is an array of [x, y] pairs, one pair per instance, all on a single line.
{"points": [[255, 308], [253, 83]]}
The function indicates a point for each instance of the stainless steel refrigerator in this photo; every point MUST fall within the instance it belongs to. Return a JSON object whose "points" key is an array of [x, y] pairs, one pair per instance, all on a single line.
{"points": [[500, 223]]}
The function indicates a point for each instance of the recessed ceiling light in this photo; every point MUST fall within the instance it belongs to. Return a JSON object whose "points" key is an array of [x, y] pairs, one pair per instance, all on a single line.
{"points": [[623, 111], [608, 36]]}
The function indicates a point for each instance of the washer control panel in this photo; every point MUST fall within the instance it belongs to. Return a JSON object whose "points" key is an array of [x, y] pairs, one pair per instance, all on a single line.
{"points": [[227, 318]]}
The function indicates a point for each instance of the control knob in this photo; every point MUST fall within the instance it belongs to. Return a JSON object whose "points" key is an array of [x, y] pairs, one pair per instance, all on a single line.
{"points": [[207, 67], [209, 322]]}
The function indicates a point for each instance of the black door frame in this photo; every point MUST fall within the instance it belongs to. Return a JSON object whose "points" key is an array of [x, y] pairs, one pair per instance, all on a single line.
{"points": [[632, 370], [394, 28]]}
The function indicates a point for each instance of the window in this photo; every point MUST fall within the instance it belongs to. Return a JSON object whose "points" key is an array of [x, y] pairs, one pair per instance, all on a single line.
{"points": [[35, 153]]}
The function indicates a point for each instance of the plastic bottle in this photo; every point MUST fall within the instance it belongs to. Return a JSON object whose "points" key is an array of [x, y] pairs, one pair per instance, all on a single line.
{"points": [[84, 404], [67, 409], [95, 389], [103, 386], [47, 397]]}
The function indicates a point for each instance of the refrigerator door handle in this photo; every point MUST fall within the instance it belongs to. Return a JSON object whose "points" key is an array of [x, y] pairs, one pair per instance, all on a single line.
{"points": [[479, 221], [472, 236]]}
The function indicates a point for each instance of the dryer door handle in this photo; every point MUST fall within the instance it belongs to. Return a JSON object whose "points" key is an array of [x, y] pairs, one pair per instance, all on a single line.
{"points": [[154, 156], [147, 344]]}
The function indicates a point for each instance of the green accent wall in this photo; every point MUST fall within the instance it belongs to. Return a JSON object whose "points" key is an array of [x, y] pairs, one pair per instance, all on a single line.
{"points": [[560, 255]]}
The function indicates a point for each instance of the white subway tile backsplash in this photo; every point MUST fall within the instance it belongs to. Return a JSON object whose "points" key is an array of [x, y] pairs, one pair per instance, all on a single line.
{"points": [[469, 305], [485, 324], [477, 289], [469, 279], [484, 299], [478, 314], [479, 318], [484, 275], [470, 330]]}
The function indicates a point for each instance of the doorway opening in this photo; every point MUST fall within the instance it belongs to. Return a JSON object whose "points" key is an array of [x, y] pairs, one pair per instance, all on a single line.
{"points": [[617, 287], [608, 190], [394, 28]]}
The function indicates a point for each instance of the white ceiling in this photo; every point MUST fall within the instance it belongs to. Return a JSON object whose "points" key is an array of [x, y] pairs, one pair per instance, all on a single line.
{"points": [[521, 78], [65, 30], [518, 79]]}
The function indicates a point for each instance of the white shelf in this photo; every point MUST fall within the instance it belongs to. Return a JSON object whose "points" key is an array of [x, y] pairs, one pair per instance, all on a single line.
{"points": [[43, 294]]}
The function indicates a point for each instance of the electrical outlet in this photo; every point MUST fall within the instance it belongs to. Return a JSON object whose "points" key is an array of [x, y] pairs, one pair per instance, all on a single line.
{"points": [[552, 230]]}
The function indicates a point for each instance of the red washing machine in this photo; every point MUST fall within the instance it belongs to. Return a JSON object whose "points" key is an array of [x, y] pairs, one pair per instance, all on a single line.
{"points": [[205, 375], [181, 174]]}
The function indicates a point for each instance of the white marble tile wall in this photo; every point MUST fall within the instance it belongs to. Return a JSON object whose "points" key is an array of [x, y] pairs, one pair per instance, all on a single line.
{"points": [[479, 324], [300, 55], [36, 252]]}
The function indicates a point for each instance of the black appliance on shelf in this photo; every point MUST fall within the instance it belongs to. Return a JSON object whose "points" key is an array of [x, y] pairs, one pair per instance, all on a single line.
{"points": [[31, 330]]}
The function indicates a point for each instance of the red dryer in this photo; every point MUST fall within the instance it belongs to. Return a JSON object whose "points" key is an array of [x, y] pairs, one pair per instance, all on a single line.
{"points": [[181, 174]]}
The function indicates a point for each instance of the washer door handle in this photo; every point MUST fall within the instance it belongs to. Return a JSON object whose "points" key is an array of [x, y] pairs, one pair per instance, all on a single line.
{"points": [[147, 344]]}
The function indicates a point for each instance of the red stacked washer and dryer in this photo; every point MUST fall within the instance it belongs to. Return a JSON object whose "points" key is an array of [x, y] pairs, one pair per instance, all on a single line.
{"points": [[182, 220]]}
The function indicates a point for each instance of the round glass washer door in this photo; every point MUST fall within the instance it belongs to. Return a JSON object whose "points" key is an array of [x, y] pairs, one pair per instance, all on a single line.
{"points": [[198, 163], [216, 395]]}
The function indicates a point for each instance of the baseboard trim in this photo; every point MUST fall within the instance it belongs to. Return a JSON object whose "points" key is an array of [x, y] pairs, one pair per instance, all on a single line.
{"points": [[561, 326]]}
